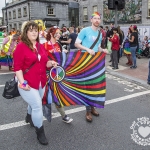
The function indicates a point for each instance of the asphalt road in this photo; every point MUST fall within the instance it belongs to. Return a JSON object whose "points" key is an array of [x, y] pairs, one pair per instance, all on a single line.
{"points": [[126, 102]]}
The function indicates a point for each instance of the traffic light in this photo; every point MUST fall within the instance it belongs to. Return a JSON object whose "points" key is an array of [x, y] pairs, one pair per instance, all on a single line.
{"points": [[113, 3]]}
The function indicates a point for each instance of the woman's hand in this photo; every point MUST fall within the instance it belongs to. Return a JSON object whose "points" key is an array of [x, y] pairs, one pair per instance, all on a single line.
{"points": [[26, 88], [64, 50], [51, 63]]}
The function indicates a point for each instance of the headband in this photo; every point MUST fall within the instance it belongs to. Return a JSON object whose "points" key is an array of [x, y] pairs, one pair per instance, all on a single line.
{"points": [[95, 14]]}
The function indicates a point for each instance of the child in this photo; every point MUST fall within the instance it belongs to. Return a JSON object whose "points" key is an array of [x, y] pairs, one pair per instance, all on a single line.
{"points": [[115, 48]]}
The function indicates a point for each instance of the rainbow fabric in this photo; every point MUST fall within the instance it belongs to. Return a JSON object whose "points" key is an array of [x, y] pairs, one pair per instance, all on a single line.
{"points": [[95, 14], [84, 82], [5, 60]]}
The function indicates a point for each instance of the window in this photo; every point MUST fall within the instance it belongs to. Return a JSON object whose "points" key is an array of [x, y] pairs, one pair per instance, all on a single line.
{"points": [[10, 26], [148, 8], [9, 15], [14, 14], [50, 11], [94, 8], [19, 12], [85, 16], [5, 16], [15, 25], [24, 11], [20, 24]]}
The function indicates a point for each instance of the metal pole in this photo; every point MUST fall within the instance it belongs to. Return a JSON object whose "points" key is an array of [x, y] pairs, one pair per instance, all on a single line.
{"points": [[116, 16], [6, 18]]}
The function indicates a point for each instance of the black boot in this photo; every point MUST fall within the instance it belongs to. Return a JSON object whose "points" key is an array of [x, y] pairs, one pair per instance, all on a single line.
{"points": [[29, 120], [41, 135]]}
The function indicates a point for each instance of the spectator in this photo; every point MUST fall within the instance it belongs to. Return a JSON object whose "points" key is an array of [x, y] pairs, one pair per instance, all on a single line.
{"points": [[103, 37], [133, 45], [115, 48], [71, 40]]}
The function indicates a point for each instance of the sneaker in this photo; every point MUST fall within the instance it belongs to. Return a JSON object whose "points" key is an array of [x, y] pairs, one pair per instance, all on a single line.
{"points": [[133, 67], [66, 119]]}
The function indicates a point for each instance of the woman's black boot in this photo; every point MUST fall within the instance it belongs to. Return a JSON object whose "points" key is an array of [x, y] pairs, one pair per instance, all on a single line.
{"points": [[28, 119], [41, 135]]}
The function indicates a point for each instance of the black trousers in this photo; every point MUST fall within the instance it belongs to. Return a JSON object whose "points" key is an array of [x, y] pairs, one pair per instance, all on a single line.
{"points": [[114, 58]]}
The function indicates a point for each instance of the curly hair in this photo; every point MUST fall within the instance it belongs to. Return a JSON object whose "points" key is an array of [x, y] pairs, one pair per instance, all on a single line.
{"points": [[24, 37], [52, 31]]}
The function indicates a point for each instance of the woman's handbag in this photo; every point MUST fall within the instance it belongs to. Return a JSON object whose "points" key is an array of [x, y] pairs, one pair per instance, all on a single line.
{"points": [[11, 86], [11, 89]]}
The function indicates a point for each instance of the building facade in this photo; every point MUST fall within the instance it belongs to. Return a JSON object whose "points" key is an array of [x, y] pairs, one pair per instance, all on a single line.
{"points": [[52, 12], [135, 12], [74, 12]]}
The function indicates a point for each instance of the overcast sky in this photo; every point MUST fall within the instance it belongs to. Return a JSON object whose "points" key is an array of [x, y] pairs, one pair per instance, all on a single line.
{"points": [[2, 4]]}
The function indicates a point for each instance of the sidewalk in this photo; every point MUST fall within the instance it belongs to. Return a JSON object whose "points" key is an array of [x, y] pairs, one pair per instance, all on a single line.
{"points": [[138, 75], [5, 69]]}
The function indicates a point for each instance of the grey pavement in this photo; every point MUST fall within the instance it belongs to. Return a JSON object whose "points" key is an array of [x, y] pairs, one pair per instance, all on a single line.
{"points": [[138, 75], [110, 131]]}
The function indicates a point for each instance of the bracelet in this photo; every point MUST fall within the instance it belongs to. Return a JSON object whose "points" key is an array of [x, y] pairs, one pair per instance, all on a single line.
{"points": [[24, 83]]}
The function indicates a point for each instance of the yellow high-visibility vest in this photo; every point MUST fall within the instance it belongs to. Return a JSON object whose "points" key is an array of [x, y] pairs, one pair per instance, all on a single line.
{"points": [[7, 45]]}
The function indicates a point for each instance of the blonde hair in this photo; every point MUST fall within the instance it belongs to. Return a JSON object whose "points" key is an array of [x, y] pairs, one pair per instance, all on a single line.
{"points": [[23, 25]]}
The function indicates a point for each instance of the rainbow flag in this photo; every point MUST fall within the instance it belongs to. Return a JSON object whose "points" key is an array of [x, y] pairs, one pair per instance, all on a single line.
{"points": [[78, 80]]}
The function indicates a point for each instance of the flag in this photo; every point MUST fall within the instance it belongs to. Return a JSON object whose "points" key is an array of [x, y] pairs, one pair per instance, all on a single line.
{"points": [[79, 79]]}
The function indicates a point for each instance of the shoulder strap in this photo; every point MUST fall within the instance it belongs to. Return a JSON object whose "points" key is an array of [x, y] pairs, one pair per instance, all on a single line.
{"points": [[59, 45], [95, 40], [38, 49]]}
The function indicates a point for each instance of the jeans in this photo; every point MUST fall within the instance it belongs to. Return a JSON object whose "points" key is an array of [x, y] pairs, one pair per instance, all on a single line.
{"points": [[133, 54], [148, 80], [120, 52], [89, 108], [34, 100]]}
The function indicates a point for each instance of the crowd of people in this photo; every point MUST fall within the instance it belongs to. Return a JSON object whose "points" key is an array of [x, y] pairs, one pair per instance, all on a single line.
{"points": [[33, 47]]}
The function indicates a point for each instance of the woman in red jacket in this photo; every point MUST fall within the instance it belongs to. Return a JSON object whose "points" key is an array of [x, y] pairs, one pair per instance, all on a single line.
{"points": [[29, 54], [115, 48], [52, 45]]}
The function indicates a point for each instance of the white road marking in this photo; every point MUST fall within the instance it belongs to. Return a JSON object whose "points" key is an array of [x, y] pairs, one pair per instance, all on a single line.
{"points": [[124, 82], [7, 73], [71, 111], [2, 85], [128, 90]]}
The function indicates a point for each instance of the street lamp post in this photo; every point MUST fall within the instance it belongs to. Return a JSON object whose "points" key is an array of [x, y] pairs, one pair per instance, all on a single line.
{"points": [[6, 17]]}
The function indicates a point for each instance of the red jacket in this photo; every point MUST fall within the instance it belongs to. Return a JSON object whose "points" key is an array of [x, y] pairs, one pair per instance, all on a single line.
{"points": [[24, 57], [115, 42]]}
